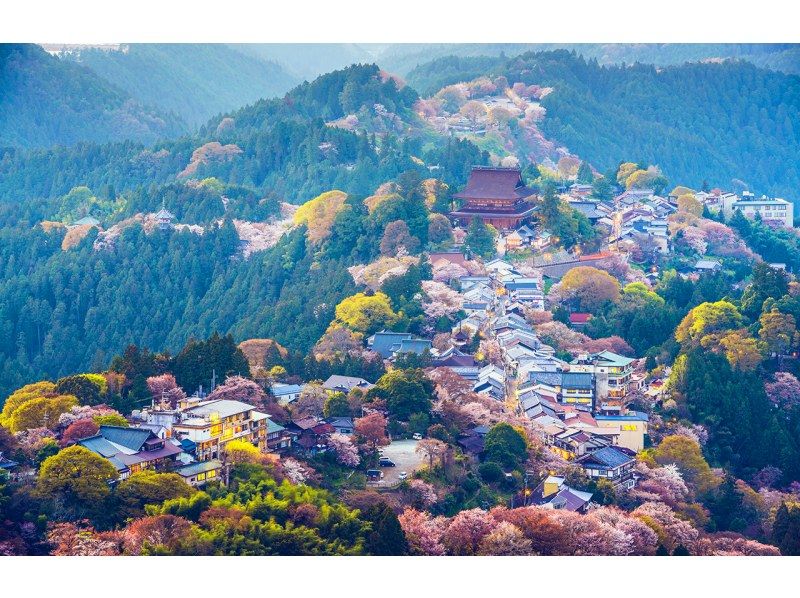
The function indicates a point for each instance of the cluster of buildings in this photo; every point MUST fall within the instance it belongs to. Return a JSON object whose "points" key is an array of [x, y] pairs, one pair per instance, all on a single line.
{"points": [[188, 438], [580, 406], [773, 211]]}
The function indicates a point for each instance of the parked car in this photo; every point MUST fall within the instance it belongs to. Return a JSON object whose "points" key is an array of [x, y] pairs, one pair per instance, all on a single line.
{"points": [[374, 474], [402, 475], [417, 436], [386, 462]]}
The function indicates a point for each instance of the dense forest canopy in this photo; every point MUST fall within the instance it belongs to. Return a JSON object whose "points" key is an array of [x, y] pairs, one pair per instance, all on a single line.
{"points": [[186, 284], [46, 101]]}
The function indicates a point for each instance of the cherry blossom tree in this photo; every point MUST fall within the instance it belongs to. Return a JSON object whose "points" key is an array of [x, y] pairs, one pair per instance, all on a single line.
{"points": [[371, 430], [729, 544], [158, 530], [420, 494], [81, 539], [446, 271], [423, 532], [628, 535], [615, 344], [466, 531], [165, 387], [337, 343], [784, 390], [562, 336], [239, 388], [440, 300], [505, 540], [311, 402], [432, 449], [671, 531], [489, 350], [295, 471], [33, 440], [536, 317], [83, 428], [83, 412], [663, 484], [617, 265], [346, 451]]}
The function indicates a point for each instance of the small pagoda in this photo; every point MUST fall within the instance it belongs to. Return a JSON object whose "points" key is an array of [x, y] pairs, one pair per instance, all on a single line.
{"points": [[498, 196]]}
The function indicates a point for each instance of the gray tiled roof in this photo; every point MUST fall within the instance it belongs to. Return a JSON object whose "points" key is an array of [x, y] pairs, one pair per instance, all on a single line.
{"points": [[199, 467]]}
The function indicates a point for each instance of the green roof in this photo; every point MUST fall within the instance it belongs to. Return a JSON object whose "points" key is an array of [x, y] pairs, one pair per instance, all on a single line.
{"points": [[273, 427], [614, 359]]}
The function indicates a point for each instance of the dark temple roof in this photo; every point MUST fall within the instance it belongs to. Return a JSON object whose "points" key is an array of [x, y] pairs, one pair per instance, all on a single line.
{"points": [[495, 183]]}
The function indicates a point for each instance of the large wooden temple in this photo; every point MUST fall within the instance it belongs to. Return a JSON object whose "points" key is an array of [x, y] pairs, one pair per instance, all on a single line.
{"points": [[497, 196]]}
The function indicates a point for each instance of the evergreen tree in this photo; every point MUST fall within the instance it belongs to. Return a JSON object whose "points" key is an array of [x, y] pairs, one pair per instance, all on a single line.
{"points": [[481, 238]]}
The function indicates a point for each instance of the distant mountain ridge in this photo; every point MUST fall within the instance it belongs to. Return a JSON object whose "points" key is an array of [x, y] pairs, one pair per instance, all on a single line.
{"points": [[195, 81], [47, 101]]}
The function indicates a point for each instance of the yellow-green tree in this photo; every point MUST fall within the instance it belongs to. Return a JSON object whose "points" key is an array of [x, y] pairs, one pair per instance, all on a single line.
{"points": [[23, 395], [778, 331], [148, 488], [365, 313], [42, 412], [681, 190], [686, 454], [626, 169], [742, 350], [241, 451], [111, 419], [590, 287], [707, 318], [319, 213], [690, 204], [77, 475]]}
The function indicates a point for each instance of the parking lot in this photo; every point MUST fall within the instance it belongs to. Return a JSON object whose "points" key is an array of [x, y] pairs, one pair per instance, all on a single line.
{"points": [[405, 457]]}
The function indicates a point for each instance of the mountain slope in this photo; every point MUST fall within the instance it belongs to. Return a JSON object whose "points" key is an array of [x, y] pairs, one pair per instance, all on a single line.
{"points": [[308, 61], [716, 122], [195, 81], [404, 58], [46, 101]]}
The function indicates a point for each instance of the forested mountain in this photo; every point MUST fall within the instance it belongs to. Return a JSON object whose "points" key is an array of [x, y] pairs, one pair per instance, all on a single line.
{"points": [[311, 60], [195, 81], [187, 284], [46, 101], [286, 148], [403, 58], [713, 122]]}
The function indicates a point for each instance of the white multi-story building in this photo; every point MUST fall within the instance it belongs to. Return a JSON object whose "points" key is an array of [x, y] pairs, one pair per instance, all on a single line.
{"points": [[773, 211]]}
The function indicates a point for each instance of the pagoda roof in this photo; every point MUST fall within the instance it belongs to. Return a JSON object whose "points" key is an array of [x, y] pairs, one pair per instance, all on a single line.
{"points": [[495, 183]]}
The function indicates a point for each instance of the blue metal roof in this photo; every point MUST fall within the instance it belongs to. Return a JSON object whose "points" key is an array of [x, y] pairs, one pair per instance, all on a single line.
{"points": [[280, 390], [630, 416], [131, 438], [417, 345], [576, 380], [608, 456], [384, 343]]}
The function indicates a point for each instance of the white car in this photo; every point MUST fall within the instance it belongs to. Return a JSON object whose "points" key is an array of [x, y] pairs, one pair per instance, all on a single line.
{"points": [[402, 475], [417, 436]]}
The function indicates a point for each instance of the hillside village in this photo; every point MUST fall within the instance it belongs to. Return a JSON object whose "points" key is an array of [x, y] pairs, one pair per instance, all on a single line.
{"points": [[500, 387], [356, 320]]}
